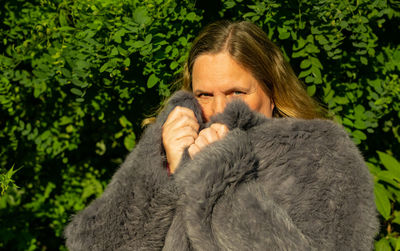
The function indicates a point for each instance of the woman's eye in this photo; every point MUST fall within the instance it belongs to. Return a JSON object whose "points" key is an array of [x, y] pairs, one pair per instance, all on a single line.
{"points": [[237, 93], [203, 95]]}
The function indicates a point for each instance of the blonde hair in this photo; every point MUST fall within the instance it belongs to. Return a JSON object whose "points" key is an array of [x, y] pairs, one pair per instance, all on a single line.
{"points": [[250, 47]]}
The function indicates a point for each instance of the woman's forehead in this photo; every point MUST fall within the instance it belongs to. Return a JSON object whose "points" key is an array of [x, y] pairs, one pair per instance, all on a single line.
{"points": [[219, 71]]}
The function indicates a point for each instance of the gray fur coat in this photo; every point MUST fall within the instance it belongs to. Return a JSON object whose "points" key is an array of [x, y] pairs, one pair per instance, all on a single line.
{"points": [[270, 184]]}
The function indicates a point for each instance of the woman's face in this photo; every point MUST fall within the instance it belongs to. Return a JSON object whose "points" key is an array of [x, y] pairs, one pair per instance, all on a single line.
{"points": [[217, 78]]}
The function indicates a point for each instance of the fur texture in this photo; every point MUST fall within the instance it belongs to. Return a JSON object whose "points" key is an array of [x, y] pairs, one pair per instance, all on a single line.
{"points": [[270, 184]]}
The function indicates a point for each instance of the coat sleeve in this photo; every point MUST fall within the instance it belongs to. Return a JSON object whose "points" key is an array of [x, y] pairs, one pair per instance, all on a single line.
{"points": [[136, 209], [290, 186], [121, 216]]}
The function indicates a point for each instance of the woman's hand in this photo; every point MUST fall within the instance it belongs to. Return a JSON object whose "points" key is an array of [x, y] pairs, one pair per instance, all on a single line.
{"points": [[178, 132], [208, 135]]}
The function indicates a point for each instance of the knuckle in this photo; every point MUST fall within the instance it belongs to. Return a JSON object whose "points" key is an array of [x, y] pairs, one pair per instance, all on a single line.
{"points": [[199, 140], [189, 138], [174, 111], [188, 130], [206, 130]]}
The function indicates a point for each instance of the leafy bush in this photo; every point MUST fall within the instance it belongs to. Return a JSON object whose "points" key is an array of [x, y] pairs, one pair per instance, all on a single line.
{"points": [[78, 77]]}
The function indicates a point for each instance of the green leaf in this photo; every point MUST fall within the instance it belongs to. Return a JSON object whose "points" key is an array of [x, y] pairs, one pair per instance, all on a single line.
{"points": [[66, 72], [347, 122], [382, 245], [359, 135], [62, 18], [130, 141], [114, 51], [364, 60], [316, 62], [359, 109], [359, 124], [311, 90], [311, 48], [305, 64], [321, 39], [374, 170], [138, 44], [173, 65], [127, 62], [283, 33], [382, 201], [152, 81], [229, 4], [79, 83], [148, 38], [299, 44], [309, 79], [140, 16], [183, 41], [397, 246], [40, 87], [344, 24], [191, 16], [390, 163], [117, 36], [316, 72], [396, 218], [124, 122], [305, 73], [388, 177], [76, 91], [298, 54], [341, 100]]}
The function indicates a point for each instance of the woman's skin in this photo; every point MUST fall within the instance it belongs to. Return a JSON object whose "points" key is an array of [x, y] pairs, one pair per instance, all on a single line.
{"points": [[216, 80]]}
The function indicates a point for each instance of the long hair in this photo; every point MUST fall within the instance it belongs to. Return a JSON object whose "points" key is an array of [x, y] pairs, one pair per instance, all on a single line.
{"points": [[250, 47]]}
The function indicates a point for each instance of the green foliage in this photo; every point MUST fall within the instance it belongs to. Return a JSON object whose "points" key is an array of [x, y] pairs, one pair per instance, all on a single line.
{"points": [[6, 180], [76, 80], [78, 77], [387, 194]]}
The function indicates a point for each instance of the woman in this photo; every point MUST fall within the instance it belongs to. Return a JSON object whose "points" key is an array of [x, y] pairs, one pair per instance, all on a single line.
{"points": [[238, 180]]}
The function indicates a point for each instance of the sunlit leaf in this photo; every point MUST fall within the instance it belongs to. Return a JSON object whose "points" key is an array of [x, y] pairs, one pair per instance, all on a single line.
{"points": [[390, 163], [130, 141], [382, 245], [152, 81], [382, 201]]}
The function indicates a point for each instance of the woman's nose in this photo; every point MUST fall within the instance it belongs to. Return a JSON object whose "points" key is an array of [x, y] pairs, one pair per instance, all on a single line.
{"points": [[219, 103]]}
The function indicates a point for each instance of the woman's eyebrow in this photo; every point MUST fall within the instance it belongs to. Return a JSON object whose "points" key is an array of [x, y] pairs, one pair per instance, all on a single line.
{"points": [[198, 91], [237, 88]]}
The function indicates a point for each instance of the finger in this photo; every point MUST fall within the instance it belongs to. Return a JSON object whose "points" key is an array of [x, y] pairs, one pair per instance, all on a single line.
{"points": [[209, 134], [186, 141], [179, 129], [178, 112], [183, 122], [201, 141], [221, 129], [184, 132], [206, 136], [178, 123], [193, 150], [175, 131]]}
